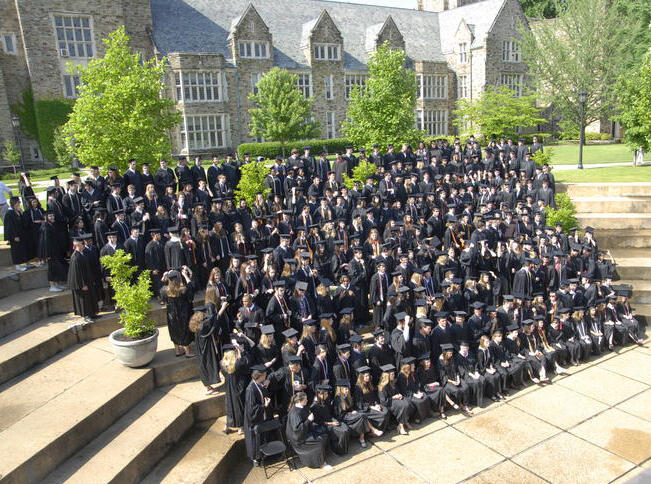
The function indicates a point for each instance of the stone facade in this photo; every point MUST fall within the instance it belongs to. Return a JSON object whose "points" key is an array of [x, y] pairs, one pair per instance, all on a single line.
{"points": [[217, 51]]}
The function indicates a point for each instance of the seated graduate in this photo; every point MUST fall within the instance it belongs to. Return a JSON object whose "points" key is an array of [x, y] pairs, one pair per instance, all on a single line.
{"points": [[455, 389], [428, 379], [594, 319], [511, 374], [581, 333], [531, 350], [399, 406], [557, 341], [355, 421], [554, 355], [514, 352], [257, 409], [470, 376], [326, 421], [367, 401], [626, 315], [408, 386], [310, 446], [486, 366]]}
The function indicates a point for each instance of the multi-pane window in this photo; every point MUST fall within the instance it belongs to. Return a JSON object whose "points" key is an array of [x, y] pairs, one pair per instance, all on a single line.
{"points": [[513, 82], [254, 50], [434, 123], [71, 86], [255, 78], [331, 128], [511, 51], [326, 51], [74, 36], [463, 52], [9, 43], [198, 86], [329, 87], [354, 80], [304, 84], [432, 87], [205, 131], [462, 87]]}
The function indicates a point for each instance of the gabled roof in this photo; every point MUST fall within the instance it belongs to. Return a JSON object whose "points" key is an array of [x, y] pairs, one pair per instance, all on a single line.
{"points": [[235, 23], [479, 16], [309, 27], [205, 25]]}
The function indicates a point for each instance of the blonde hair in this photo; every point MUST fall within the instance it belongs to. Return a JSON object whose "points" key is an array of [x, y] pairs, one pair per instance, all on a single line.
{"points": [[483, 341], [405, 369], [327, 325], [346, 400], [196, 321], [385, 380], [265, 340], [211, 295], [228, 361], [367, 387]]}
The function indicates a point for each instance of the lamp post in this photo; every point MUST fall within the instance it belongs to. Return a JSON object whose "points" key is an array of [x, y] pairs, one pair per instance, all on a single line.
{"points": [[582, 99], [15, 122]]}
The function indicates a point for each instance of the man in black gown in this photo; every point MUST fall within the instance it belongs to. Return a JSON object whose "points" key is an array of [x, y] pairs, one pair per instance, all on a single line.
{"points": [[256, 410], [80, 283]]}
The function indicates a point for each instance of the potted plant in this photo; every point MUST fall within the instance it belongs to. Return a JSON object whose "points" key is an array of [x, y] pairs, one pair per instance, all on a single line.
{"points": [[135, 343]]}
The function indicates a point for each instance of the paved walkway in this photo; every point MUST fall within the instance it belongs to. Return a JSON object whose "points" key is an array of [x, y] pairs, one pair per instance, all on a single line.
{"points": [[593, 426]]}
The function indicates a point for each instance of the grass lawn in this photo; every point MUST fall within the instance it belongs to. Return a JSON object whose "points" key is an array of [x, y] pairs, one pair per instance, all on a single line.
{"points": [[568, 154], [608, 174]]}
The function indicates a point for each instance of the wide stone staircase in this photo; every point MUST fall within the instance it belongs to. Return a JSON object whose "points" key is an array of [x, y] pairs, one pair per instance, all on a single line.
{"points": [[621, 216], [70, 412]]}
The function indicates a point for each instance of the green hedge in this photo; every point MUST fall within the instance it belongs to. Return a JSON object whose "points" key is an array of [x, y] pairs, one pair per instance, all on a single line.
{"points": [[50, 113], [271, 149], [528, 138]]}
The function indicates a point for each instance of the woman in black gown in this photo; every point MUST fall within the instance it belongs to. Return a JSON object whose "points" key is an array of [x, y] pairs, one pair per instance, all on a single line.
{"points": [[408, 386], [209, 346], [235, 368], [309, 445], [399, 406], [178, 295], [455, 389], [428, 378], [345, 411], [487, 367], [324, 417], [367, 401]]}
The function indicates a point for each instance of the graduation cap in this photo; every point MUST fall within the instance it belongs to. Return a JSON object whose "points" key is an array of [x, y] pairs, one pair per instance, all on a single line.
{"points": [[288, 333], [325, 282], [301, 286], [589, 229], [447, 347], [342, 383], [154, 231], [408, 360], [400, 316], [491, 309], [173, 229], [477, 305], [441, 315], [347, 311], [343, 348], [138, 200], [426, 322], [323, 388], [464, 342], [420, 303], [78, 239], [280, 283], [309, 322], [363, 369], [387, 368], [424, 356], [294, 359], [403, 289], [260, 368], [267, 329], [528, 322], [460, 313], [110, 232], [419, 289], [512, 327], [355, 339], [379, 332]]}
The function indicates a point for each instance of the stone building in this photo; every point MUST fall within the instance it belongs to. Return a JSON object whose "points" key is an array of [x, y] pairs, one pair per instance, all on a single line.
{"points": [[218, 50]]}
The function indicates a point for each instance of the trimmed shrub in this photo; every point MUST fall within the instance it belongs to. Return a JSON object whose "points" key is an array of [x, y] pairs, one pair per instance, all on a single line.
{"points": [[565, 213], [271, 149], [360, 173], [50, 114]]}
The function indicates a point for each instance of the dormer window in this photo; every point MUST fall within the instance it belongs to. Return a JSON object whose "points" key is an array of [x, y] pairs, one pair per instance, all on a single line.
{"points": [[253, 50], [326, 52]]}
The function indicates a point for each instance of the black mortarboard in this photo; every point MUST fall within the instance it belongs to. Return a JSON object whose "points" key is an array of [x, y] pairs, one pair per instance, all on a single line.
{"points": [[512, 327], [387, 368], [288, 333], [408, 360], [293, 359], [267, 329], [301, 285], [279, 284], [346, 311], [323, 388], [400, 316], [447, 347], [343, 347], [342, 383], [363, 369]]}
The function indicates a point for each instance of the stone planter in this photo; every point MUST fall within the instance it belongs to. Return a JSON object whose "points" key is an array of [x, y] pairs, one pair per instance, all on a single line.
{"points": [[134, 353]]}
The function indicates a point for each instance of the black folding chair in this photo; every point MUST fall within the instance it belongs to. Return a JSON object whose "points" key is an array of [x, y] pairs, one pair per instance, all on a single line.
{"points": [[272, 443]]}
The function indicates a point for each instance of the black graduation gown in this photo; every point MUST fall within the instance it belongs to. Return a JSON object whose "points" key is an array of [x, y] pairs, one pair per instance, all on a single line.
{"points": [[458, 393], [356, 422], [339, 435], [493, 382], [254, 413], [208, 341], [14, 228], [401, 409], [179, 311], [235, 385], [408, 387], [80, 275], [92, 254], [427, 378], [155, 261], [175, 256], [309, 445], [363, 401]]}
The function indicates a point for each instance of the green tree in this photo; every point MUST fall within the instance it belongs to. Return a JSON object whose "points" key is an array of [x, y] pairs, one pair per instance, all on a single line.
{"points": [[11, 154], [252, 182], [497, 112], [565, 213], [382, 111], [62, 148], [540, 8], [361, 172], [635, 109], [281, 112], [120, 113], [585, 49]]}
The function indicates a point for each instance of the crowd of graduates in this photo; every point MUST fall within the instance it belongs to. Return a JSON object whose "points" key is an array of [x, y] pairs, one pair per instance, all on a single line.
{"points": [[343, 311]]}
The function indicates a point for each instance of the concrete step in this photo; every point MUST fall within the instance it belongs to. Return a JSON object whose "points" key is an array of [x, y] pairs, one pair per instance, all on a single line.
{"points": [[623, 239], [605, 189], [641, 290], [28, 307], [633, 264], [13, 281], [601, 204], [204, 455], [50, 414], [628, 221], [5, 254], [131, 447]]}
